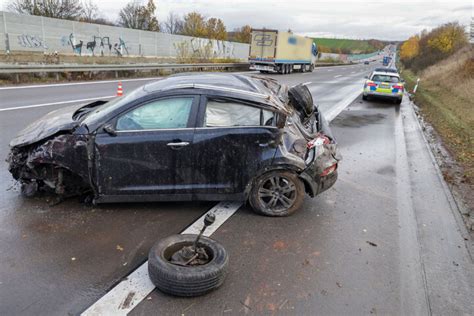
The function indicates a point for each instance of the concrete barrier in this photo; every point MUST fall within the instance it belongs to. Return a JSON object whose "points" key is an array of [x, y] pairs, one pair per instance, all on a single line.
{"points": [[28, 33]]}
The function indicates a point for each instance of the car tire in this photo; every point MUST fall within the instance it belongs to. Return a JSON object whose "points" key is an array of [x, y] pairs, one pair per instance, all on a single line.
{"points": [[271, 188], [398, 101], [364, 97], [303, 68], [311, 68], [186, 281]]}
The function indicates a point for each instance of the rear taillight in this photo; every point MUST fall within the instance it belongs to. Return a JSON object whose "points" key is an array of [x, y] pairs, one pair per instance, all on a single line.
{"points": [[372, 84], [329, 170], [397, 87]]}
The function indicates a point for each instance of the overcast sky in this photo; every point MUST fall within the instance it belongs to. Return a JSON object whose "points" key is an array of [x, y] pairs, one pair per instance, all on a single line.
{"points": [[380, 19]]}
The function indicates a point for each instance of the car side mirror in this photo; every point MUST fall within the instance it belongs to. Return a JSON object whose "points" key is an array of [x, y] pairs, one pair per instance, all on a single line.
{"points": [[366, 77], [109, 129], [403, 81]]}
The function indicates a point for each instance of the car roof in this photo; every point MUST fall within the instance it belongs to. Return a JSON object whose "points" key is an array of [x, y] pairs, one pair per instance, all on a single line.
{"points": [[245, 86], [385, 73], [393, 70], [251, 88]]}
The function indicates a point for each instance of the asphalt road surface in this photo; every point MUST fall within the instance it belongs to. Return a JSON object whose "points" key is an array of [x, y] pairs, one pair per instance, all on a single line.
{"points": [[386, 239]]}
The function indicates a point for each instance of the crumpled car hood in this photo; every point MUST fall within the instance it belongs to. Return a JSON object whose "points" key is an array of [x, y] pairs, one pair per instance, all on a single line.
{"points": [[50, 124]]}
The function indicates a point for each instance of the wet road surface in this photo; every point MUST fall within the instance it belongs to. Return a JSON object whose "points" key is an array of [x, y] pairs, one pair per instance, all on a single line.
{"points": [[383, 240]]}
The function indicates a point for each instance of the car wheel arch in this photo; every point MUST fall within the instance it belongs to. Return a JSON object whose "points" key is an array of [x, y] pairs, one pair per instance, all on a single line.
{"points": [[283, 167]]}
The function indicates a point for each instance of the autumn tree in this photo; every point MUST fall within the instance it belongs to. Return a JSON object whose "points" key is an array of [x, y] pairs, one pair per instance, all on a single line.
{"points": [[194, 25], [448, 38], [243, 34], [215, 29], [410, 48], [137, 16], [433, 46], [60, 9]]}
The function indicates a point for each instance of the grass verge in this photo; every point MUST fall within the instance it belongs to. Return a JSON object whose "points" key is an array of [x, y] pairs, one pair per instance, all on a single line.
{"points": [[451, 116]]}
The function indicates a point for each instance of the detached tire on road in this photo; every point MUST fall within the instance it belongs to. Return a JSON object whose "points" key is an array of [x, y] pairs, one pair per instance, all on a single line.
{"points": [[277, 193], [186, 280]]}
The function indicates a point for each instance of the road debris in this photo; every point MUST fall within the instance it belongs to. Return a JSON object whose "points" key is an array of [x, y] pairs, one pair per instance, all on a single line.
{"points": [[371, 243], [282, 304], [246, 304]]}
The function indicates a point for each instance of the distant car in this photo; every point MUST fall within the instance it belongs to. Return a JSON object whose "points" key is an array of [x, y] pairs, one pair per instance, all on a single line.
{"points": [[366, 62], [384, 85], [189, 137]]}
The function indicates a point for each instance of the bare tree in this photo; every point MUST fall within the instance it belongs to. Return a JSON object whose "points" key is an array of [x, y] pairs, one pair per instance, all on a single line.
{"points": [[137, 16], [173, 24], [61, 9], [90, 12]]}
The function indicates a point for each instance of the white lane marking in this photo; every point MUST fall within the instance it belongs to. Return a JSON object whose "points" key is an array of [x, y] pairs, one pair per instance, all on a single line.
{"points": [[341, 105], [125, 296], [304, 84], [337, 76], [352, 72], [55, 103], [223, 211], [76, 83], [330, 69]]}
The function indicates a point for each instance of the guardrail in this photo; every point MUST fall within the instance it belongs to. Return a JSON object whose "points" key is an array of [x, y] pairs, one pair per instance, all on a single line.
{"points": [[16, 69]]}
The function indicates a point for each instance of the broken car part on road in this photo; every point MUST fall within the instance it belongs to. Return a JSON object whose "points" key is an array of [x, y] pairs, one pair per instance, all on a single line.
{"points": [[187, 137]]}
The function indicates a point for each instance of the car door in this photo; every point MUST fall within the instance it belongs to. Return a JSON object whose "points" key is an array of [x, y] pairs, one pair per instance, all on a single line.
{"points": [[149, 150], [233, 140]]}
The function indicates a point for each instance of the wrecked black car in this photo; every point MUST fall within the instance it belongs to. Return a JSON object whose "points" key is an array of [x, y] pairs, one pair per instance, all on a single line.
{"points": [[187, 137]]}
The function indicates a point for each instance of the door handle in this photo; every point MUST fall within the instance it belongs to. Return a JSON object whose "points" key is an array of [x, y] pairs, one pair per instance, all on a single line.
{"points": [[178, 144]]}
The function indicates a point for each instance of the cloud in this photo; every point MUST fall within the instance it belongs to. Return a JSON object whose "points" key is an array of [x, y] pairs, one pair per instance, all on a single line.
{"points": [[381, 19]]}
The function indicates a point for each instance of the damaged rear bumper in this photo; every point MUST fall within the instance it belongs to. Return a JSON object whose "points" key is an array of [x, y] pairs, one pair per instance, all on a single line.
{"points": [[321, 174], [315, 184]]}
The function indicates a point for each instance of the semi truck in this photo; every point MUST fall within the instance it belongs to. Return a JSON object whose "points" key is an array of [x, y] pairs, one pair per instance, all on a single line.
{"points": [[281, 52]]}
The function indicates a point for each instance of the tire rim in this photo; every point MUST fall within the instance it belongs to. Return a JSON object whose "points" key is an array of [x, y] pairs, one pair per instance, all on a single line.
{"points": [[277, 194]]}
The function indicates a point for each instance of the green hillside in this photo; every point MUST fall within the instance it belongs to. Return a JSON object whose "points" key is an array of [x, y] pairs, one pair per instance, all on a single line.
{"points": [[348, 46]]}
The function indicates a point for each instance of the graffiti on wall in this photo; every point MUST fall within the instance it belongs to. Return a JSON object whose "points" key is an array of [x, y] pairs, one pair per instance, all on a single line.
{"points": [[98, 45], [31, 41], [218, 48]]}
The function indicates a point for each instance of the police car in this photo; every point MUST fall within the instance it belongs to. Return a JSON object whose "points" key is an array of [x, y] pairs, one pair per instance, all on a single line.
{"points": [[384, 84]]}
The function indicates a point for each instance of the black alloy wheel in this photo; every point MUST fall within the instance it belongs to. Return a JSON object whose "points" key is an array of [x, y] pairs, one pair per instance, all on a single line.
{"points": [[278, 193]]}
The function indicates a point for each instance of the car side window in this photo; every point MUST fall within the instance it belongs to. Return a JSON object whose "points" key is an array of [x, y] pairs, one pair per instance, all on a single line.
{"points": [[226, 113], [159, 114]]}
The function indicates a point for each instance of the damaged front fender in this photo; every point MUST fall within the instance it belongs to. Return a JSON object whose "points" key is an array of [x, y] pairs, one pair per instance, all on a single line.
{"points": [[59, 163]]}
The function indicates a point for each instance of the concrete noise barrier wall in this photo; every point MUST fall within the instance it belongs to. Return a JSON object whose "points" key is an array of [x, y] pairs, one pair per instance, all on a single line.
{"points": [[20, 33]]}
